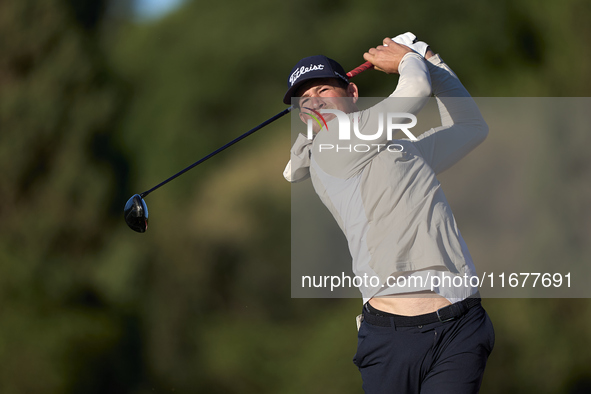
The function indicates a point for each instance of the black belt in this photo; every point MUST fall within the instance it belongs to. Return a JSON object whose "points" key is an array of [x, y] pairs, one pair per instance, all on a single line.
{"points": [[447, 313]]}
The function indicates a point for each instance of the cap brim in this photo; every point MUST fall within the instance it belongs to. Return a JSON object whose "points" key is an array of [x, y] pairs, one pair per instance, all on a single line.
{"points": [[292, 91]]}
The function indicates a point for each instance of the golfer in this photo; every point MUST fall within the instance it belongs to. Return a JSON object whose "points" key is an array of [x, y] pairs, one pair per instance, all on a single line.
{"points": [[432, 336]]}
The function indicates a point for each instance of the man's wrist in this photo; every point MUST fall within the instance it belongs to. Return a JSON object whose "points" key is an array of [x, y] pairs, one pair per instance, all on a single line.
{"points": [[411, 54]]}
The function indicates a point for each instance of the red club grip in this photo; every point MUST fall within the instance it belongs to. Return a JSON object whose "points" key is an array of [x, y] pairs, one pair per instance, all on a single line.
{"points": [[360, 69]]}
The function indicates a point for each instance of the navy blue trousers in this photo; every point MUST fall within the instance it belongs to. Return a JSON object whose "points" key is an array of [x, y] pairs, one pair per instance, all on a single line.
{"points": [[435, 358]]}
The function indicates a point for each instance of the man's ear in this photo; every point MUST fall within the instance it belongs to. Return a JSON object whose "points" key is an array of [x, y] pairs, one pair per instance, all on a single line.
{"points": [[353, 91]]}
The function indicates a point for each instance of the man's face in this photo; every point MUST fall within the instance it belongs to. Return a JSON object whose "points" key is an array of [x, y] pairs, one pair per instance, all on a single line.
{"points": [[326, 93]]}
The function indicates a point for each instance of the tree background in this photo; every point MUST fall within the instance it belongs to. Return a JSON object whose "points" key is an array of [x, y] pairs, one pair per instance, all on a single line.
{"points": [[96, 105]]}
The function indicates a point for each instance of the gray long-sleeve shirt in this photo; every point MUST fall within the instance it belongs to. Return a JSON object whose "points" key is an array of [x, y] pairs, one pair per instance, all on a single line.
{"points": [[389, 203]]}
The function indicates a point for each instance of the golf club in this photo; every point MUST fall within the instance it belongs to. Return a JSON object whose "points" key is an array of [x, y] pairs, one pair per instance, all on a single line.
{"points": [[136, 210]]}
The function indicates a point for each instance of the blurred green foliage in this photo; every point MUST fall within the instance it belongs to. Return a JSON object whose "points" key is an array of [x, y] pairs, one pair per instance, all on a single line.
{"points": [[95, 106]]}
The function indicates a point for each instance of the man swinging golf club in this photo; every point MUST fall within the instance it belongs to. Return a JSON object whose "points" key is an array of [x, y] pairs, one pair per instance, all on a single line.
{"points": [[397, 221]]}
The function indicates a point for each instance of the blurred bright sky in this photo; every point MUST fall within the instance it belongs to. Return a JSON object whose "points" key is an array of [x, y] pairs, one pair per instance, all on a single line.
{"points": [[151, 9]]}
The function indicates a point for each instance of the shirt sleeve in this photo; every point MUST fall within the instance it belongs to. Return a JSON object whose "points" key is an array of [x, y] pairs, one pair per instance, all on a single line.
{"points": [[344, 158], [463, 127]]}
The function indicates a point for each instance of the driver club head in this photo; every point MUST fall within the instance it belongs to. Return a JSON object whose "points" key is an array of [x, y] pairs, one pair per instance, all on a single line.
{"points": [[136, 213]]}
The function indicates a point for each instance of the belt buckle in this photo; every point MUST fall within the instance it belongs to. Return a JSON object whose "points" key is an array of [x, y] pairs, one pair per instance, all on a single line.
{"points": [[439, 316]]}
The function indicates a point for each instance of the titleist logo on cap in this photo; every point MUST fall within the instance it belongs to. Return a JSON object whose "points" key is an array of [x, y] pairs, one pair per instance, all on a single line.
{"points": [[302, 70]]}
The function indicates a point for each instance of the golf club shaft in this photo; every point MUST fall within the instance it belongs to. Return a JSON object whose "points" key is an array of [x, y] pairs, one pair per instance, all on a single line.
{"points": [[350, 74], [229, 144]]}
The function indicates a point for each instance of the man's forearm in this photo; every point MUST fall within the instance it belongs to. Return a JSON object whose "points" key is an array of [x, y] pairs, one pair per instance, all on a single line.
{"points": [[463, 127], [415, 78]]}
